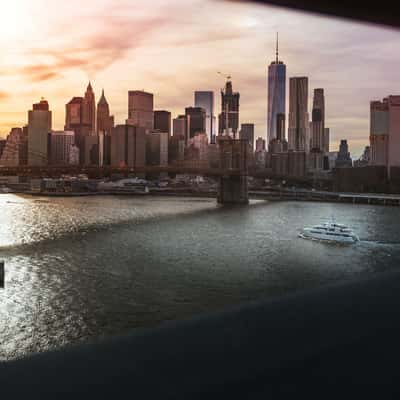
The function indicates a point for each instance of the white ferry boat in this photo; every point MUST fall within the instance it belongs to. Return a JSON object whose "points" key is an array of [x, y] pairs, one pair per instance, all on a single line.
{"points": [[331, 232]]}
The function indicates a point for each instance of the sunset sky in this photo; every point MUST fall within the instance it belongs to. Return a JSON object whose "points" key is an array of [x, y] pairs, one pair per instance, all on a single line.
{"points": [[52, 48]]}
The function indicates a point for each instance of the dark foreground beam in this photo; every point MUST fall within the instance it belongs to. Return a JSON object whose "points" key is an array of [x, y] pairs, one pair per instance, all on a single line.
{"points": [[358, 10], [342, 340]]}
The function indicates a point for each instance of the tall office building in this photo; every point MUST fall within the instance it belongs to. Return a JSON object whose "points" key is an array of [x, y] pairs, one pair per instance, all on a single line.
{"points": [[162, 121], [140, 109], [318, 121], [157, 148], [89, 110], [247, 133], [75, 121], [39, 127], [298, 132], [276, 96], [195, 121], [128, 146], [179, 126], [105, 121], [385, 132], [62, 143], [229, 117], [379, 132], [205, 100]]}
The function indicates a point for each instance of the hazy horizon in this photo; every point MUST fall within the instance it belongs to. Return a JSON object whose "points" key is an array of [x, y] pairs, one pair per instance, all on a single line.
{"points": [[172, 49]]}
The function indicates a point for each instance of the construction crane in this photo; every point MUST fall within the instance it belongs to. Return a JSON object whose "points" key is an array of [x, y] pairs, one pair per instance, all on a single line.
{"points": [[228, 78]]}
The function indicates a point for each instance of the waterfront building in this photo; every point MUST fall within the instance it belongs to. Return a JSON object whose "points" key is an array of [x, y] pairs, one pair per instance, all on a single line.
{"points": [[298, 131], [15, 151], [105, 121], [195, 121], [385, 132], [179, 126], [39, 127], [229, 111], [61, 143], [157, 148], [89, 110], [343, 156], [140, 109], [162, 121], [205, 100], [276, 96], [247, 133], [128, 146]]}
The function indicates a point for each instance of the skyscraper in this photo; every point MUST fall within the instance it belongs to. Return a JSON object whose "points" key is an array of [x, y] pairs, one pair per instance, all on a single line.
{"points": [[39, 127], [61, 145], [89, 110], [179, 126], [276, 95], [229, 117], [205, 100], [385, 132], [247, 133], [128, 146], [140, 109], [298, 131], [162, 121], [74, 121], [195, 120], [318, 121], [105, 121]]}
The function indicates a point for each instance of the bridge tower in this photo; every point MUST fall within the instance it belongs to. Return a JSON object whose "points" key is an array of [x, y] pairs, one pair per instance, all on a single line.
{"points": [[233, 188]]}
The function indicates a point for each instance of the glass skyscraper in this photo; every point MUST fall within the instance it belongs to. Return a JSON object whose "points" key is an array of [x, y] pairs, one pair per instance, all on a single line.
{"points": [[276, 95], [205, 100]]}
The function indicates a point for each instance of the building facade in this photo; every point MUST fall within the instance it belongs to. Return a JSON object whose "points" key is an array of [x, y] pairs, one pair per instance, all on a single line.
{"points": [[276, 96], [162, 121], [39, 127], [61, 144], [140, 109], [128, 146], [247, 133], [228, 123], [298, 130], [205, 100], [15, 151], [195, 121], [105, 121]]}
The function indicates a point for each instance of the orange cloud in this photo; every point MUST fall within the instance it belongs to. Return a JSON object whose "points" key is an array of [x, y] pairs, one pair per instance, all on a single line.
{"points": [[96, 52]]}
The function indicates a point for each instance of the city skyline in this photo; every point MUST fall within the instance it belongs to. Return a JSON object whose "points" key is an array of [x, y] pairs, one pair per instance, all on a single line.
{"points": [[144, 49]]}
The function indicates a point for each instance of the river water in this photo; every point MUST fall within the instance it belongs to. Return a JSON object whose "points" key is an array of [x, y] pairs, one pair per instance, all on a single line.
{"points": [[86, 267]]}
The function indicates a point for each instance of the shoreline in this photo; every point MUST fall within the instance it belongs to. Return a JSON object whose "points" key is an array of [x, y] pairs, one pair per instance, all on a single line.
{"points": [[319, 197]]}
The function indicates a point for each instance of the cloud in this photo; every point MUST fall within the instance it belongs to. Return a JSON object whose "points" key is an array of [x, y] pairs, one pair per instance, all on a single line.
{"points": [[4, 95], [114, 38]]}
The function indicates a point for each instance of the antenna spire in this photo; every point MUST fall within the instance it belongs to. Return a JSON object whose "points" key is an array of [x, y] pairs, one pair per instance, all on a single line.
{"points": [[277, 58]]}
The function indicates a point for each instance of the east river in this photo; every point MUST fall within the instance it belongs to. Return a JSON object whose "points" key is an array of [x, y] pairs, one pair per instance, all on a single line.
{"points": [[86, 267]]}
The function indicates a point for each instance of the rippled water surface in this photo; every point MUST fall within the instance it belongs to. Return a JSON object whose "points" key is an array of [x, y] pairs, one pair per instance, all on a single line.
{"points": [[79, 268]]}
